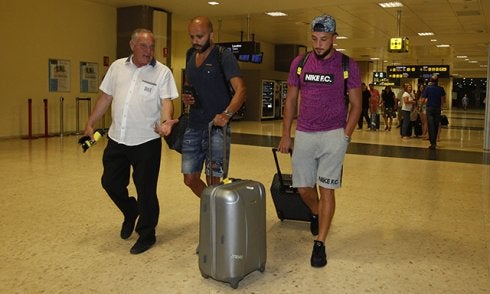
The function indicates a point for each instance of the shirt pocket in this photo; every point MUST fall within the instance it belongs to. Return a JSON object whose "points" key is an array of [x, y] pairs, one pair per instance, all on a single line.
{"points": [[211, 72], [147, 90]]}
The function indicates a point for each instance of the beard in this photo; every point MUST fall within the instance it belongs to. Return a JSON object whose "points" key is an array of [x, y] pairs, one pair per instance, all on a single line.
{"points": [[202, 48], [321, 56]]}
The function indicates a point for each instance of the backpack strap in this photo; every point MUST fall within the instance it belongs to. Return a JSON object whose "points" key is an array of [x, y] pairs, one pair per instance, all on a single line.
{"points": [[222, 49], [302, 62]]}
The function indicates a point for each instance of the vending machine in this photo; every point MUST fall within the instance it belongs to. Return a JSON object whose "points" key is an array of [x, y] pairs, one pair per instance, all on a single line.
{"points": [[268, 98]]}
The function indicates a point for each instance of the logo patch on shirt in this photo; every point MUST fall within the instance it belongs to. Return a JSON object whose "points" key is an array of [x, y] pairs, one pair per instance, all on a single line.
{"points": [[318, 78]]}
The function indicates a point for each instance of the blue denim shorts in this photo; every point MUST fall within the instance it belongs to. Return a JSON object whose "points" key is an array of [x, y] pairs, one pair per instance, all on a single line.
{"points": [[195, 151]]}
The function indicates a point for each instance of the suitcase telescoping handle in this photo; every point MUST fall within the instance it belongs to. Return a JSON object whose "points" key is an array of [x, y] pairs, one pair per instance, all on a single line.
{"points": [[274, 151], [210, 148]]}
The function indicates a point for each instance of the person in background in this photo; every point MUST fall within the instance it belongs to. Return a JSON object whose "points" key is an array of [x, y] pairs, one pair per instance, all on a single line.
{"points": [[374, 103], [388, 100], [435, 98], [408, 101], [206, 72], [139, 90], [366, 96], [324, 127], [422, 111], [464, 101], [399, 104]]}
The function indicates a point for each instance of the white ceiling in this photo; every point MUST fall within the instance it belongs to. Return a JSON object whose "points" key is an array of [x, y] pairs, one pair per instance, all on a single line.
{"points": [[463, 24]]}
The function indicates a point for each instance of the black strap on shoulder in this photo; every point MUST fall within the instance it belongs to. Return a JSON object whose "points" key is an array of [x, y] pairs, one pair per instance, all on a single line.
{"points": [[188, 54], [230, 89], [302, 62]]}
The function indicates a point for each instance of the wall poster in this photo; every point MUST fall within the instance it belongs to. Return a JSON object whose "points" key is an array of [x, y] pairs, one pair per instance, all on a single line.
{"points": [[59, 75], [89, 77]]}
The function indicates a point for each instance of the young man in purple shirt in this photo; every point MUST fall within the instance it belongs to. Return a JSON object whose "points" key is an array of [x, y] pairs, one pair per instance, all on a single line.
{"points": [[324, 127]]}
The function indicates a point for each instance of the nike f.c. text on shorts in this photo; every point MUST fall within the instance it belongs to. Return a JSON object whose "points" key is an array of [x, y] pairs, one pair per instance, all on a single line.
{"points": [[318, 158]]}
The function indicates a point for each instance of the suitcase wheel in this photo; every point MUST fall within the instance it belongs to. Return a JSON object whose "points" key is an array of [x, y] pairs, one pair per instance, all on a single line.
{"points": [[234, 283], [204, 276], [280, 216], [262, 269]]}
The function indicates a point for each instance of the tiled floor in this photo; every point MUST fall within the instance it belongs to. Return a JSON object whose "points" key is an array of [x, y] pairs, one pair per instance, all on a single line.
{"points": [[407, 221]]}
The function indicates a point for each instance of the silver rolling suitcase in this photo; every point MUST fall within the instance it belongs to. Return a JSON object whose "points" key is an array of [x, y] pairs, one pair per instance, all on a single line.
{"points": [[232, 237]]}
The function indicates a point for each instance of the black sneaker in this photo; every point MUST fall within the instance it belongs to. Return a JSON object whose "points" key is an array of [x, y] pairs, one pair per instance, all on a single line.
{"points": [[319, 255], [314, 224]]}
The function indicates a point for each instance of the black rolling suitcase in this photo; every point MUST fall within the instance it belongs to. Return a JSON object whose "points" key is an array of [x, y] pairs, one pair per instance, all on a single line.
{"points": [[375, 123], [417, 127], [232, 234], [287, 200]]}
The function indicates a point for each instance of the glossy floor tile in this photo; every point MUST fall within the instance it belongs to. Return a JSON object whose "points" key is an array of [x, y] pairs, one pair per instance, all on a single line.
{"points": [[406, 221]]}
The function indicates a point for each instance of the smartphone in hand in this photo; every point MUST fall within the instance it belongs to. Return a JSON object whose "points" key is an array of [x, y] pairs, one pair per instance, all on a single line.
{"points": [[191, 91]]}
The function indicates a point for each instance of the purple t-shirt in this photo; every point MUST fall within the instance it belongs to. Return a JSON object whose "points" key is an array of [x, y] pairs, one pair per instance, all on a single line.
{"points": [[321, 84]]}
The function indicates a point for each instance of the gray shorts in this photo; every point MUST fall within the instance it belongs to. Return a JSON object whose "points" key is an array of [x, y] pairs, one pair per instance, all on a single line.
{"points": [[318, 158]]}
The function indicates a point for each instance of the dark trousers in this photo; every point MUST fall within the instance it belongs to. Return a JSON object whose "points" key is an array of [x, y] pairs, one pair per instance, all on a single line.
{"points": [[433, 121], [364, 115], [405, 129], [145, 161]]}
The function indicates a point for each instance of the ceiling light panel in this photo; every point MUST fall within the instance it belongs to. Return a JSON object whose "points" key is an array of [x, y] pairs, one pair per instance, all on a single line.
{"points": [[392, 4], [276, 13]]}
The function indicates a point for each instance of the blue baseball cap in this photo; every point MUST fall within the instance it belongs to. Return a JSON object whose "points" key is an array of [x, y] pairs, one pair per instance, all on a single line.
{"points": [[324, 23]]}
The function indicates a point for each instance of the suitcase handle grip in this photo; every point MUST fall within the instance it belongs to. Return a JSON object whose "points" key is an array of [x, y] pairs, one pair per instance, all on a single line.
{"points": [[274, 151], [210, 148]]}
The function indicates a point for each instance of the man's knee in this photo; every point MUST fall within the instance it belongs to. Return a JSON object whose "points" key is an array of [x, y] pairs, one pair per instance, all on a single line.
{"points": [[191, 179], [307, 192]]}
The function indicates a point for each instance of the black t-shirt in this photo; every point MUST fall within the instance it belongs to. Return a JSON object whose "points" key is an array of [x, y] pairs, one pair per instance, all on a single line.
{"points": [[388, 99], [209, 84], [365, 98]]}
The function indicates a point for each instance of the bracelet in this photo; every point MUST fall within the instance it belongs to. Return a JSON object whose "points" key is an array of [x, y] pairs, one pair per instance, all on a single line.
{"points": [[228, 113], [163, 122]]}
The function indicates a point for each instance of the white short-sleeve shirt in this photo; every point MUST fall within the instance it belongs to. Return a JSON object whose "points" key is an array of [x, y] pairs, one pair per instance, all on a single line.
{"points": [[136, 103]]}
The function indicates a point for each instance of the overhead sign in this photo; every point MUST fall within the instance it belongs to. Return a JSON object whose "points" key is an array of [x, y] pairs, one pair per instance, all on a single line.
{"points": [[398, 45], [380, 78], [417, 71], [242, 48]]}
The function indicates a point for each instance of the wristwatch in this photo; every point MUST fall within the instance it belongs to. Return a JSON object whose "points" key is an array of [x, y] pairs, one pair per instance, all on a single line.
{"points": [[228, 113]]}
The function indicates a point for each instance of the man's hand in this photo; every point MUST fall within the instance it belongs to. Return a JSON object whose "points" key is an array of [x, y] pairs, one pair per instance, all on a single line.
{"points": [[188, 99], [284, 145], [221, 120], [165, 128]]}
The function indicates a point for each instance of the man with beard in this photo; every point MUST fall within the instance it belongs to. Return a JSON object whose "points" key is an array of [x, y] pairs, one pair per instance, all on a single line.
{"points": [[324, 127], [209, 73]]}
